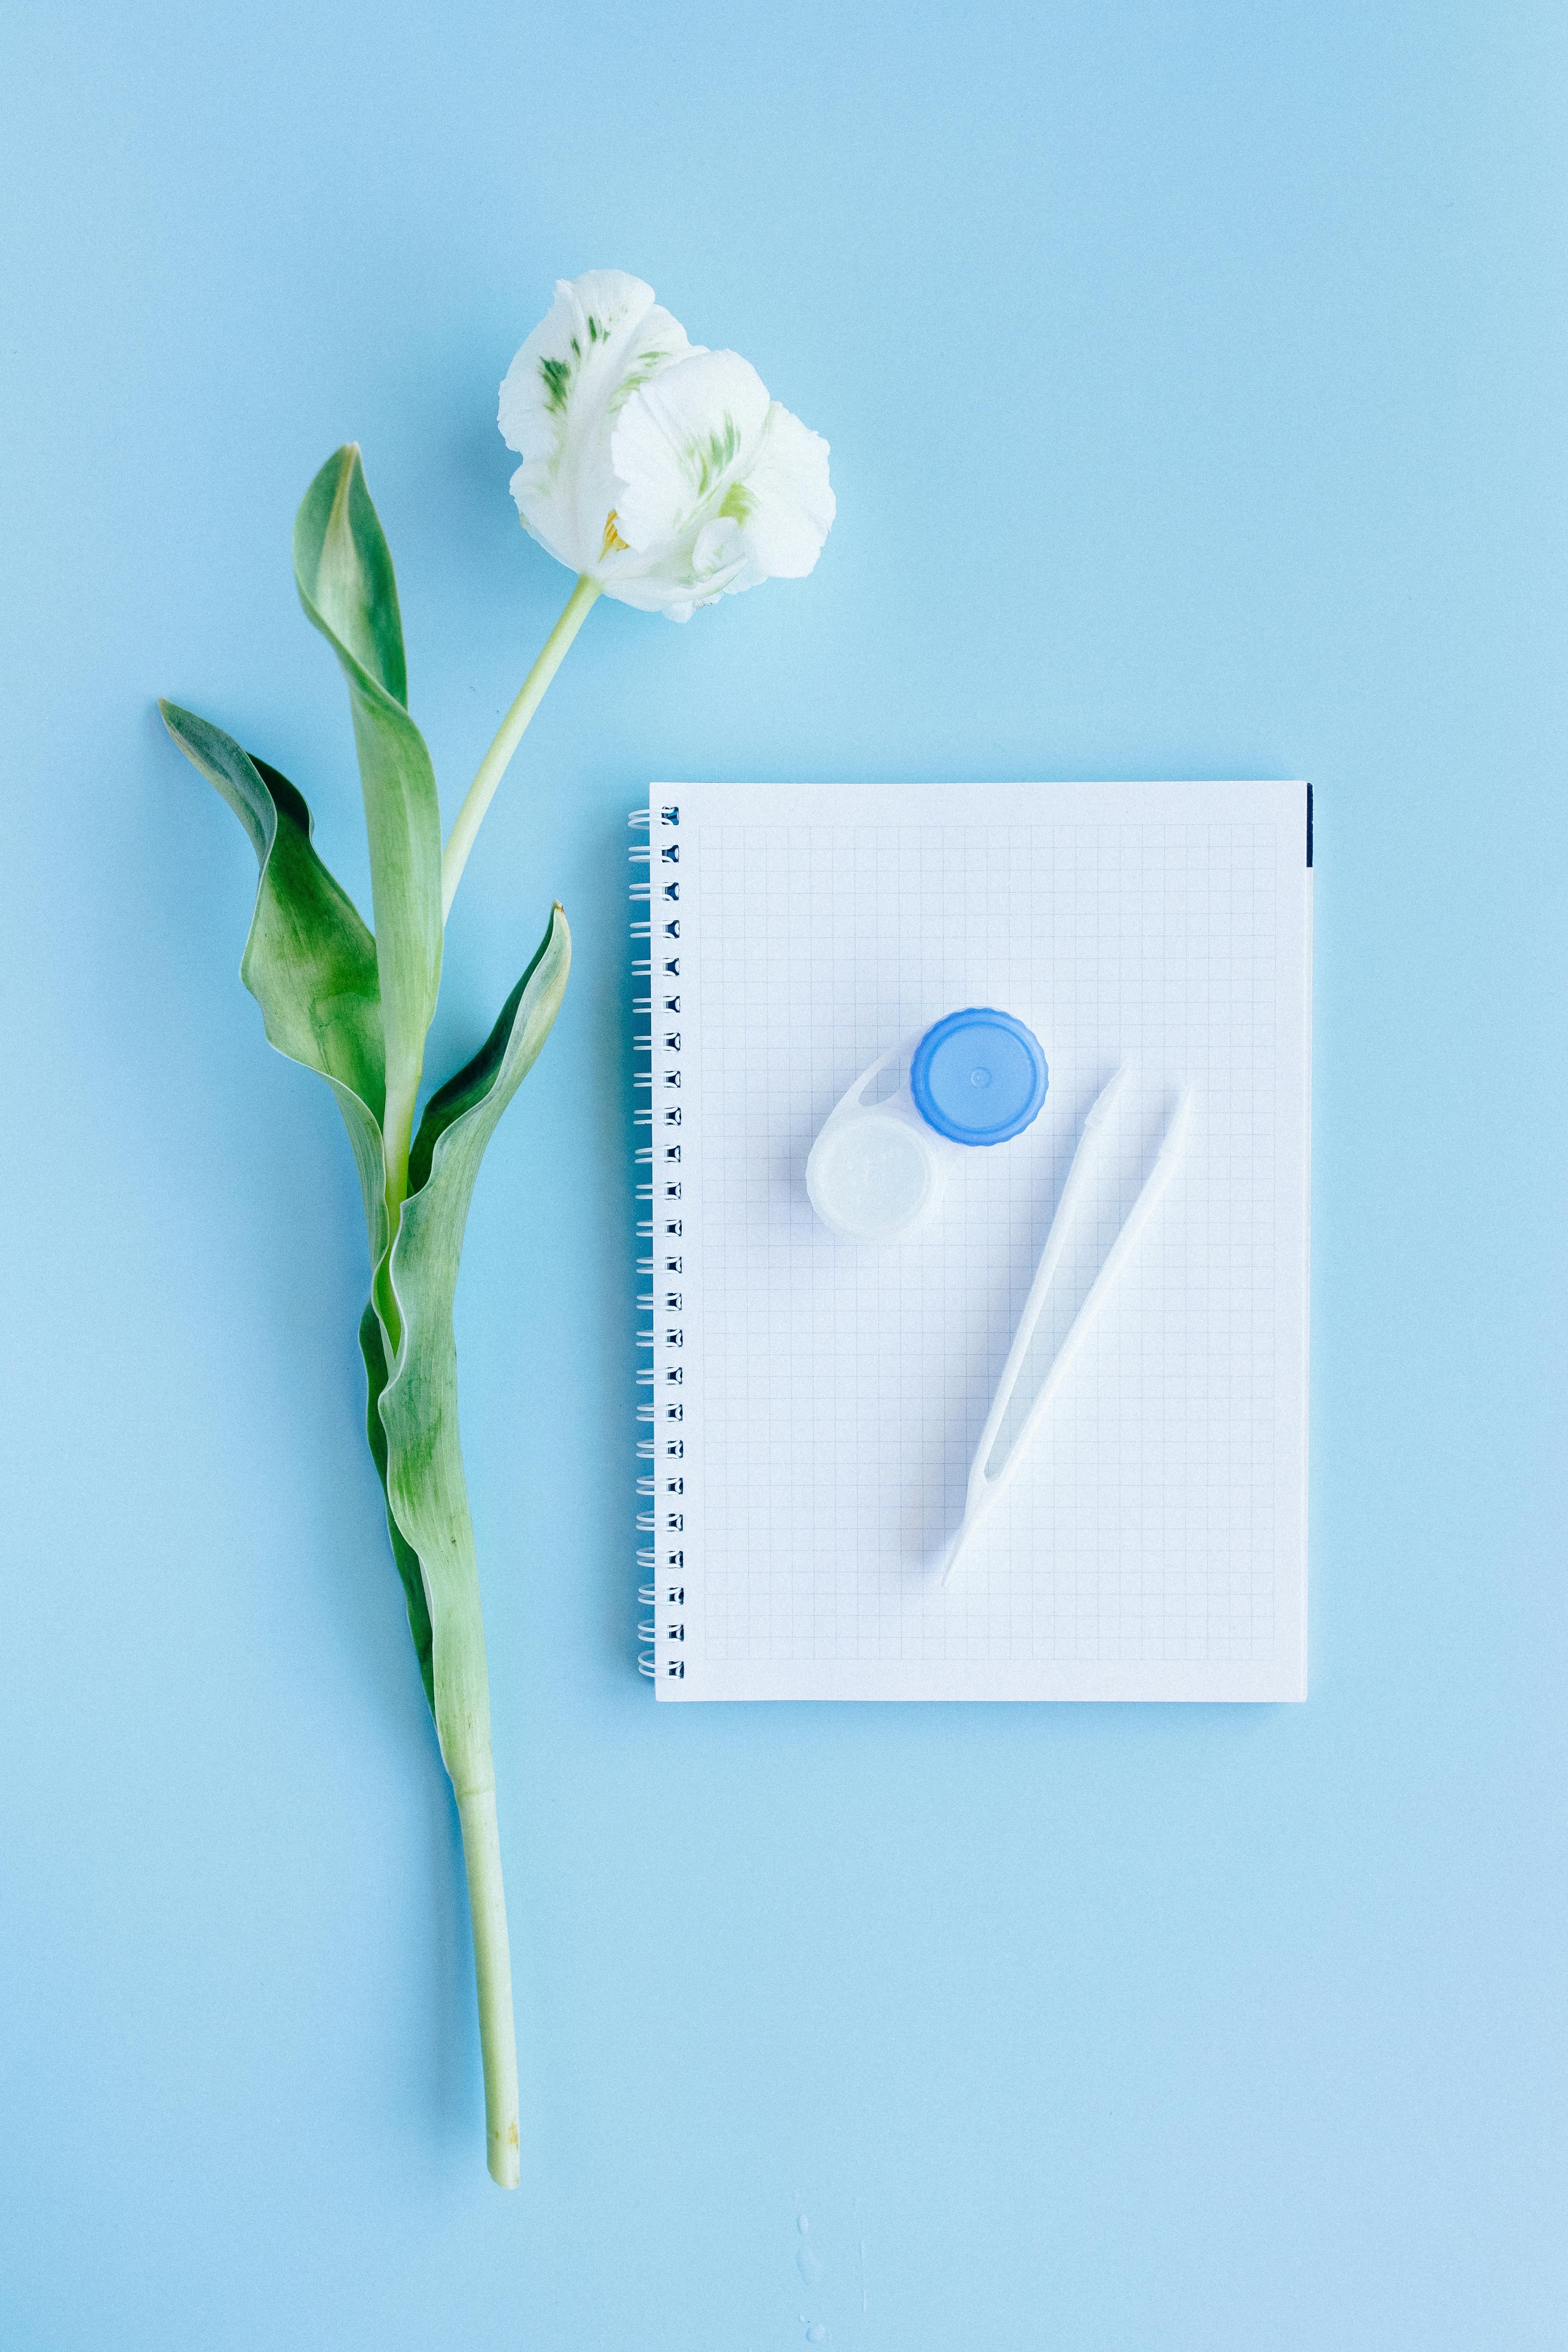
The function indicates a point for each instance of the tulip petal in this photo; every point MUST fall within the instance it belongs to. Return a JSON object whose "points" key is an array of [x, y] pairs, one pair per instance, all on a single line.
{"points": [[605, 336], [785, 506], [680, 444]]}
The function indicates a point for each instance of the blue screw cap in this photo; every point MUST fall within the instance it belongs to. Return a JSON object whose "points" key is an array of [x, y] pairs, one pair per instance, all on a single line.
{"points": [[979, 1076]]}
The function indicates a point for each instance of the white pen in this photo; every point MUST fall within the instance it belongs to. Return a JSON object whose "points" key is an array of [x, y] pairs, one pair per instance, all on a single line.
{"points": [[985, 1484]]}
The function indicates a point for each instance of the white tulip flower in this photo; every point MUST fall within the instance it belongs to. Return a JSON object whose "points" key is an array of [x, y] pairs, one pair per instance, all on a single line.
{"points": [[655, 469], [658, 471]]}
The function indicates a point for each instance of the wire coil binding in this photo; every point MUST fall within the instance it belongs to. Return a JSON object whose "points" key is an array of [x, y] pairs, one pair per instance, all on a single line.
{"points": [[657, 1117]]}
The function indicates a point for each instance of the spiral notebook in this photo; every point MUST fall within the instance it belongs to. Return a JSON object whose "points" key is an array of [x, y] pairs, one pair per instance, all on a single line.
{"points": [[810, 1405]]}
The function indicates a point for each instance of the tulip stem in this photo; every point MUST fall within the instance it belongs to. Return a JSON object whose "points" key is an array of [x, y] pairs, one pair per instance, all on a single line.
{"points": [[492, 1965], [510, 734]]}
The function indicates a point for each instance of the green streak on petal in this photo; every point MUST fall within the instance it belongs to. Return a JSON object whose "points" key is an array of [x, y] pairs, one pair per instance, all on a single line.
{"points": [[737, 504], [557, 374], [708, 459], [639, 371]]}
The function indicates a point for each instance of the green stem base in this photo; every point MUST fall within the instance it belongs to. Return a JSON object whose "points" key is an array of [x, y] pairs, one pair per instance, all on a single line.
{"points": [[492, 1966]]}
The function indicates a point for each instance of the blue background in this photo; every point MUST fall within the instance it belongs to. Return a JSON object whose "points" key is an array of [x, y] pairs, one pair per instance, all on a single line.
{"points": [[1195, 380]]}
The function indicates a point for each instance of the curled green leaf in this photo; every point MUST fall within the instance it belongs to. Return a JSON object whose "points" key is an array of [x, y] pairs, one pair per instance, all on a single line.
{"points": [[424, 1467], [373, 1348], [309, 960], [342, 568]]}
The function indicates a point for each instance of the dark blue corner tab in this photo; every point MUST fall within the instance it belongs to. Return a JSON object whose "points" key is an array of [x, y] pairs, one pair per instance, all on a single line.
{"points": [[979, 1076], [1309, 825]]}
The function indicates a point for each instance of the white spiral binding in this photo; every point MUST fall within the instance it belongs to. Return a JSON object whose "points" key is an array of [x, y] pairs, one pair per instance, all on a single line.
{"points": [[654, 894]]}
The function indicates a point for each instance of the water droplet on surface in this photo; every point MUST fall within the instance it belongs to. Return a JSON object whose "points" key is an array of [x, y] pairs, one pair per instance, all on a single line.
{"points": [[816, 2333], [804, 2224], [808, 2262]]}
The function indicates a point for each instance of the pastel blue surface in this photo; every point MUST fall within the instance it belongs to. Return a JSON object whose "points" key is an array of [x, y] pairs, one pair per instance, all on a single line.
{"points": [[979, 1075], [1195, 378]]}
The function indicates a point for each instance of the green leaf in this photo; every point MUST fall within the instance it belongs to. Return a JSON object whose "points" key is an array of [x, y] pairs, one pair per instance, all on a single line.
{"points": [[309, 960], [425, 1481], [373, 1348], [342, 568]]}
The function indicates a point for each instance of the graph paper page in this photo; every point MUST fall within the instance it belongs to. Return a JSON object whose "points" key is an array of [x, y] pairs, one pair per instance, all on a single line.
{"points": [[818, 1401]]}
